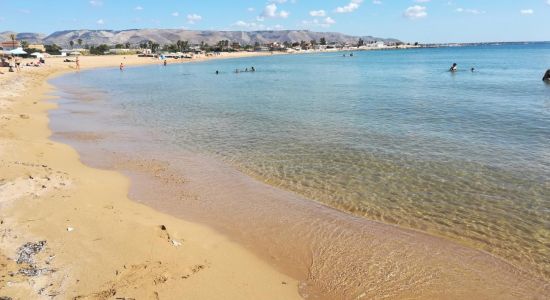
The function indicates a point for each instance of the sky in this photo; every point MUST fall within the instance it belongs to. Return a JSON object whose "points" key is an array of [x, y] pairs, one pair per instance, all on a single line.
{"points": [[424, 21]]}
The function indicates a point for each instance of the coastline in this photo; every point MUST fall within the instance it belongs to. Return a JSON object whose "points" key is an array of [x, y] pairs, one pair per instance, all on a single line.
{"points": [[99, 244], [433, 267]]}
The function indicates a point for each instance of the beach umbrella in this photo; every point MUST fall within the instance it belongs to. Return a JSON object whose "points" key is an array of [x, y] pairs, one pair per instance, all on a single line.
{"points": [[18, 51]]}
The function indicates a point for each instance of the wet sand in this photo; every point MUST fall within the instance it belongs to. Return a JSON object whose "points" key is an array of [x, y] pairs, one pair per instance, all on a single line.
{"points": [[69, 231], [335, 255]]}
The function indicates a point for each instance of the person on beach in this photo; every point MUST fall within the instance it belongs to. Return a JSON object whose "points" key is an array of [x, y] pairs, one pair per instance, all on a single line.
{"points": [[546, 77], [11, 64], [217, 72], [453, 68], [121, 66], [77, 63], [165, 63], [18, 64]]}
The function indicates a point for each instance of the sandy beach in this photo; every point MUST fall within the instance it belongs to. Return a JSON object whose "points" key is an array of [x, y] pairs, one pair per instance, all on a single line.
{"points": [[70, 232]]}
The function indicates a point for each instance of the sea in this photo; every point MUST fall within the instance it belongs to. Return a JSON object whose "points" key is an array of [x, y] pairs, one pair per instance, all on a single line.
{"points": [[390, 136]]}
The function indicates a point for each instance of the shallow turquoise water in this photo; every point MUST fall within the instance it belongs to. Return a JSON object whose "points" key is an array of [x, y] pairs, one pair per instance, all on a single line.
{"points": [[390, 135]]}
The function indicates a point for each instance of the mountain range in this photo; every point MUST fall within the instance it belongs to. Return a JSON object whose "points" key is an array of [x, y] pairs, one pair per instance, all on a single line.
{"points": [[168, 36]]}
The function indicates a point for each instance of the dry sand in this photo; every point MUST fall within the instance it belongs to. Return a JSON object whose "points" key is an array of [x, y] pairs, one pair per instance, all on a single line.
{"points": [[99, 244]]}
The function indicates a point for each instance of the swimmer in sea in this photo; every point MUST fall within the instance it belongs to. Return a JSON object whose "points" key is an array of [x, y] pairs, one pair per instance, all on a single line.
{"points": [[454, 68]]}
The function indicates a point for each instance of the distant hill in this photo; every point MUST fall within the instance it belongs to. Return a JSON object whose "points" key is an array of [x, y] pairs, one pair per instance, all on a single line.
{"points": [[23, 36], [167, 36]]}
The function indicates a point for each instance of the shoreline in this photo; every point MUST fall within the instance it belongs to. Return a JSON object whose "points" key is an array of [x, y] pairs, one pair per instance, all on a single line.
{"points": [[99, 244], [429, 289]]}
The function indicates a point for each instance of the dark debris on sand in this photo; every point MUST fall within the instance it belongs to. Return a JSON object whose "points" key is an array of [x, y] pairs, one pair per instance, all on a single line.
{"points": [[27, 251], [25, 255]]}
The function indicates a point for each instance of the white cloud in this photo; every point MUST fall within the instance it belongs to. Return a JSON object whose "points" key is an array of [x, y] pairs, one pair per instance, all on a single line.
{"points": [[470, 11], [377, 2], [96, 3], [317, 13], [193, 18], [329, 21], [351, 7], [526, 12], [241, 24], [271, 11], [251, 9], [548, 2], [326, 22], [138, 8], [175, 14], [249, 25], [415, 12], [422, 1], [100, 22]]}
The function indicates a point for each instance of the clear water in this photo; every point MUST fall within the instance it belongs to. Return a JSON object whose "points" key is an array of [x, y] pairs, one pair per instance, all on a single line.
{"points": [[388, 135]]}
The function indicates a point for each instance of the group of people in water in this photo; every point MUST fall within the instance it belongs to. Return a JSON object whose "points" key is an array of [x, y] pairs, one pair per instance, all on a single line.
{"points": [[545, 78], [454, 68], [237, 71]]}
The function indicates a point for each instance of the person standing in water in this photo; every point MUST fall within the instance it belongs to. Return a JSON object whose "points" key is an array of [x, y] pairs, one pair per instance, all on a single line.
{"points": [[546, 77], [77, 63], [454, 68], [121, 66], [165, 63]]}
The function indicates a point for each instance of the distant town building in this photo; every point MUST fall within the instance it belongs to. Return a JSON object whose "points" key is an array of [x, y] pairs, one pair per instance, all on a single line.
{"points": [[38, 47], [121, 51], [236, 46], [262, 48], [73, 52], [10, 45]]}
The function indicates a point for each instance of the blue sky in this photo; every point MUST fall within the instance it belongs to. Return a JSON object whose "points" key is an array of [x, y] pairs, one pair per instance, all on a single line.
{"points": [[408, 20]]}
